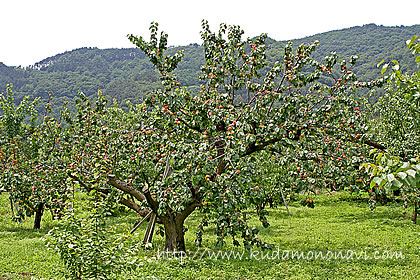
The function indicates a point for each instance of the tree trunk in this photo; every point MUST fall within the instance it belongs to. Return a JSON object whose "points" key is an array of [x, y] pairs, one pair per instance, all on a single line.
{"points": [[11, 207], [38, 215], [382, 199], [174, 233]]}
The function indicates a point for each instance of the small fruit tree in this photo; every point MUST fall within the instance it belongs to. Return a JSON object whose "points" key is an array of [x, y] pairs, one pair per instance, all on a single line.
{"points": [[397, 125], [28, 160]]}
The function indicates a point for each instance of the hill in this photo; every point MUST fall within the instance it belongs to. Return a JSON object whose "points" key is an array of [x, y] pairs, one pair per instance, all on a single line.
{"points": [[126, 74]]}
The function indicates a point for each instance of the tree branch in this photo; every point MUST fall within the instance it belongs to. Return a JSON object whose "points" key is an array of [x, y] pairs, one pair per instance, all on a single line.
{"points": [[125, 187], [373, 144], [252, 148], [128, 203]]}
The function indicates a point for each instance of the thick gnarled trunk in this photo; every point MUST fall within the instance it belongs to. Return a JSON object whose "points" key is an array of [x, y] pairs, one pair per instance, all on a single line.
{"points": [[174, 233], [172, 221]]}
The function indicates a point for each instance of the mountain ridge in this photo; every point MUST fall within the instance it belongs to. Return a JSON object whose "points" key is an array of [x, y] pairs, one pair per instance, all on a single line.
{"points": [[269, 38], [126, 74]]}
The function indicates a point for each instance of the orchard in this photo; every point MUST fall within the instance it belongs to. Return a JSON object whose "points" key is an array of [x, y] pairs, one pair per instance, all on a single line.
{"points": [[252, 131]]}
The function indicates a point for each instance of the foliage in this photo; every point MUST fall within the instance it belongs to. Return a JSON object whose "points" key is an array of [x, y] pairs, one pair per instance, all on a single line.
{"points": [[399, 129], [89, 249], [398, 111], [414, 47], [29, 161], [389, 174], [13, 116]]}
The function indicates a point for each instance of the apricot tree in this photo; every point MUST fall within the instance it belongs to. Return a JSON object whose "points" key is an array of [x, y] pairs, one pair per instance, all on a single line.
{"points": [[397, 125], [179, 151], [30, 171]]}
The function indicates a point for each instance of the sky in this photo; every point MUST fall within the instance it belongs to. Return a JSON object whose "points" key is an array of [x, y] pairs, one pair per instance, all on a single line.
{"points": [[31, 30]]}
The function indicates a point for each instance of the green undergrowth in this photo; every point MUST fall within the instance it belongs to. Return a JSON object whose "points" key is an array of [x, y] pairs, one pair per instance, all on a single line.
{"points": [[338, 239]]}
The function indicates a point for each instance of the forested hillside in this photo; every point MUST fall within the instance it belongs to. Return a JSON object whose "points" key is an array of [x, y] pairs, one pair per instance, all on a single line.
{"points": [[126, 74]]}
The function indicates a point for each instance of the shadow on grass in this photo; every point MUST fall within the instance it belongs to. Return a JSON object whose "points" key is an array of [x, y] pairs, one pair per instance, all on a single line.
{"points": [[381, 218], [24, 233]]}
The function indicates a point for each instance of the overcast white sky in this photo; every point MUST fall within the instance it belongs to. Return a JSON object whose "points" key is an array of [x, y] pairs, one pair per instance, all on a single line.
{"points": [[31, 30]]}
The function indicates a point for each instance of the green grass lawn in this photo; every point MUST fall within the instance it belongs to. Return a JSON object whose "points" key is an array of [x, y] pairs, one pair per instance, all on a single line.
{"points": [[339, 223]]}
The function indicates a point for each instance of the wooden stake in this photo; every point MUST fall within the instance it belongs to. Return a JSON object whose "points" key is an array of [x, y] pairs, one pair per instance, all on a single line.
{"points": [[284, 200]]}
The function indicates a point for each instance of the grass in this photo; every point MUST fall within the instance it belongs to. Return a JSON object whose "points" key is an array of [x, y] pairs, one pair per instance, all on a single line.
{"points": [[338, 223]]}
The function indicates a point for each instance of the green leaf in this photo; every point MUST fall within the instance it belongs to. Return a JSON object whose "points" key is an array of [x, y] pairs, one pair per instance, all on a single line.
{"points": [[411, 172], [384, 68], [405, 165], [382, 182], [402, 175], [397, 184], [406, 182], [411, 181], [387, 186], [390, 177], [372, 151], [379, 64], [396, 67], [376, 181]]}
